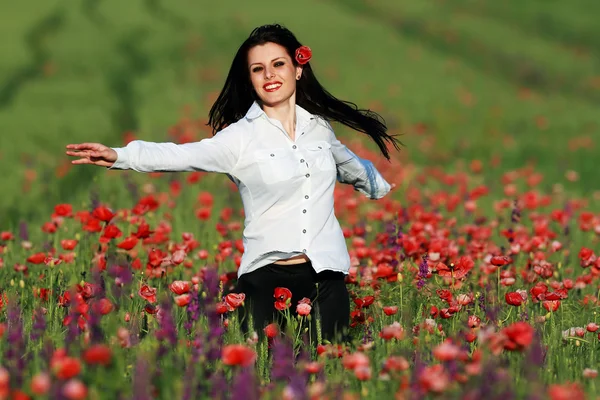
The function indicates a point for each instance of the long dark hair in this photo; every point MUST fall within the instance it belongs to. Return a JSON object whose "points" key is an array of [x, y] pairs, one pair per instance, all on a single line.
{"points": [[238, 93]]}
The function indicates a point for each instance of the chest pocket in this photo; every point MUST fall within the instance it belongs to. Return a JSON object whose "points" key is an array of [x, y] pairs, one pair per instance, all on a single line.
{"points": [[275, 165], [320, 155]]}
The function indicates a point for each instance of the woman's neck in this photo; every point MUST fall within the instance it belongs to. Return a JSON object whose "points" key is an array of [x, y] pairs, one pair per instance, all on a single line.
{"points": [[285, 113]]}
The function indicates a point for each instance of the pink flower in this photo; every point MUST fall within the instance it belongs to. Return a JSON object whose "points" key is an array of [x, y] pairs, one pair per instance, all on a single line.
{"points": [[303, 309]]}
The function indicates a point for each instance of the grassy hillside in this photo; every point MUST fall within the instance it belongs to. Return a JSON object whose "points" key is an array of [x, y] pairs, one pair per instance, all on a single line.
{"points": [[461, 80]]}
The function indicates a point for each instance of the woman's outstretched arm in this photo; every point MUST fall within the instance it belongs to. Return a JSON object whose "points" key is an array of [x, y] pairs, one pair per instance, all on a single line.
{"points": [[356, 171], [216, 154]]}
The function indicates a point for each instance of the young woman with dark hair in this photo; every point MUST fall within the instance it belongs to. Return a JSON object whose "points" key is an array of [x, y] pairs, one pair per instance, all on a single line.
{"points": [[272, 137]]}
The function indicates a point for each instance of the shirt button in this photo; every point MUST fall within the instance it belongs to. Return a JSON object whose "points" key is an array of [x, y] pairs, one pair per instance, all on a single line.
{"points": [[304, 250], [294, 147], [306, 197], [302, 160], [307, 175], [303, 211], [272, 155], [303, 230]]}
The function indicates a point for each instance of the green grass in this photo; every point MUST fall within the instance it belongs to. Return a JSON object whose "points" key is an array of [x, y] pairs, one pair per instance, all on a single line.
{"points": [[93, 70]]}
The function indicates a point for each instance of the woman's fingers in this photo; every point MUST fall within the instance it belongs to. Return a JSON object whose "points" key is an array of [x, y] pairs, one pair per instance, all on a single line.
{"points": [[92, 153], [86, 146]]}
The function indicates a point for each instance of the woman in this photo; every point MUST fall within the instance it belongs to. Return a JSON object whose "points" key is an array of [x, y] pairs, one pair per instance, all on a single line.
{"points": [[272, 137]]}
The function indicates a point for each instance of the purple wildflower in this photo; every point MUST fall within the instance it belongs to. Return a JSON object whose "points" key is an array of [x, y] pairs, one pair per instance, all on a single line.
{"points": [[141, 380], [515, 216], [14, 361], [193, 311], [39, 325], [23, 232], [168, 330], [423, 272], [245, 385]]}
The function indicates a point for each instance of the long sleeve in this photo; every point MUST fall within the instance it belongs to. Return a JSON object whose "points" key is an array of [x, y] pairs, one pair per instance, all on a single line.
{"points": [[216, 154], [357, 171]]}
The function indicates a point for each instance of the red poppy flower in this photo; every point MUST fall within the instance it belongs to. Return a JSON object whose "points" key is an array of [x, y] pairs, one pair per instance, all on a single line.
{"points": [[456, 270], [271, 330], [390, 310], [148, 293], [364, 302], [283, 298], [68, 244], [237, 354], [103, 214], [143, 231], [235, 299], [66, 367], [500, 261], [180, 287], [37, 258], [183, 300], [63, 210], [128, 244], [513, 298], [98, 354], [303, 55], [103, 306], [518, 336]]}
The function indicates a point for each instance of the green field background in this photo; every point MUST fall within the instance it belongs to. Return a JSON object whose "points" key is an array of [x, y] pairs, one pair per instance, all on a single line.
{"points": [[460, 80]]}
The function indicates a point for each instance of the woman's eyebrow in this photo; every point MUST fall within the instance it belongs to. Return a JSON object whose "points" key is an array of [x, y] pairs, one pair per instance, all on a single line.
{"points": [[271, 61]]}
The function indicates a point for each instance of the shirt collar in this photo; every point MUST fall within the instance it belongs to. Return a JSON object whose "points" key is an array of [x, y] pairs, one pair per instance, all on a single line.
{"points": [[302, 115]]}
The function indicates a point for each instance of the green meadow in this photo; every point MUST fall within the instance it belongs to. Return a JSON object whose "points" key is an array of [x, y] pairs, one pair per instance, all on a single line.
{"points": [[490, 98], [459, 80]]}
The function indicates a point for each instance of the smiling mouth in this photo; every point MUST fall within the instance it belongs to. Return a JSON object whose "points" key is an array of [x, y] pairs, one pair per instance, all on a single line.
{"points": [[271, 87]]}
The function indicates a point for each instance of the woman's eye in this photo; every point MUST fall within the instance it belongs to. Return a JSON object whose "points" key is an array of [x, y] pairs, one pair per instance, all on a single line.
{"points": [[256, 69], [279, 63]]}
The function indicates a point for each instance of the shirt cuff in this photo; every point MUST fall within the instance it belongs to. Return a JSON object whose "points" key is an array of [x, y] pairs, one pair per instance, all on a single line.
{"points": [[122, 161]]}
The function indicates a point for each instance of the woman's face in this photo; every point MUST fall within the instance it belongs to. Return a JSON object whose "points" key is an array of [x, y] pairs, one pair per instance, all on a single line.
{"points": [[272, 73]]}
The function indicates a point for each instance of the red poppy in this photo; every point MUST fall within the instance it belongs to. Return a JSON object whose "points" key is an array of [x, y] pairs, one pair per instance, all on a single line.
{"points": [[6, 236], [103, 213], [364, 302], [500, 261], [111, 232], [237, 354], [283, 298], [456, 270], [68, 244], [513, 298], [271, 330], [180, 287], [518, 336], [303, 55], [390, 310], [235, 299], [63, 210], [66, 367], [128, 244], [148, 293], [37, 258], [183, 299], [98, 354], [103, 306], [223, 307], [143, 231]]}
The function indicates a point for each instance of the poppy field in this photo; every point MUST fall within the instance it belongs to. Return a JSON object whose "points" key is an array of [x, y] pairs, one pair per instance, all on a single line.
{"points": [[477, 276]]}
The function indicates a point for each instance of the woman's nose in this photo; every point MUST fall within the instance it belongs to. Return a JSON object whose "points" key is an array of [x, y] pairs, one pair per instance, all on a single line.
{"points": [[268, 74]]}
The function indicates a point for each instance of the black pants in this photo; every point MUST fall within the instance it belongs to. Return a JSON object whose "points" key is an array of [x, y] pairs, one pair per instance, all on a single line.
{"points": [[330, 299]]}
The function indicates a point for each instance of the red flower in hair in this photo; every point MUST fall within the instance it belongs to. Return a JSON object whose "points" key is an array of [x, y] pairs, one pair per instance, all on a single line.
{"points": [[303, 54]]}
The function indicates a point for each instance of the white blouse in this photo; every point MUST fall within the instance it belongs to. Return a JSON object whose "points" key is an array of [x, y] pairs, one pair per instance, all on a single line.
{"points": [[286, 186]]}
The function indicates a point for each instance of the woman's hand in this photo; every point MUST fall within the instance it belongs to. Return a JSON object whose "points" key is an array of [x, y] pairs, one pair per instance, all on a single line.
{"points": [[92, 153]]}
